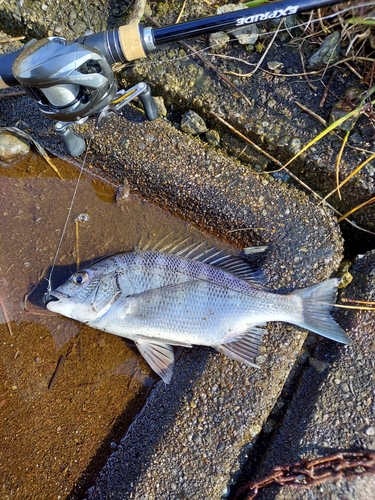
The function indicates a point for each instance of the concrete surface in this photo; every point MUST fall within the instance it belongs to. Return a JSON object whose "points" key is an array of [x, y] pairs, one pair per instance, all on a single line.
{"points": [[333, 406], [184, 175]]}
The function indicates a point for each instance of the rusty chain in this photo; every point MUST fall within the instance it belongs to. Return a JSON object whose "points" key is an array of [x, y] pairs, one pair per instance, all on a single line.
{"points": [[307, 473]]}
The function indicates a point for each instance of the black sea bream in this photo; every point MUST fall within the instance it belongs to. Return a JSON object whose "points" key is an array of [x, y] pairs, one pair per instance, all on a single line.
{"points": [[163, 299]]}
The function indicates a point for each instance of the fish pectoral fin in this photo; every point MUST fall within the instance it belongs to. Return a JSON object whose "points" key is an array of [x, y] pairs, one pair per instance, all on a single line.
{"points": [[244, 349], [105, 296], [160, 357], [149, 303]]}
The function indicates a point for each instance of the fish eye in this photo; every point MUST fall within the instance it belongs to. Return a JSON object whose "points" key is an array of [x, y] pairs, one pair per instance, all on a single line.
{"points": [[79, 278]]}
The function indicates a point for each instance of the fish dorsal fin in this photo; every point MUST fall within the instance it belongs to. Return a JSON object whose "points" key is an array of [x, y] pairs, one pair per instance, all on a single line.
{"points": [[188, 248], [159, 356], [238, 266], [246, 348], [181, 247]]}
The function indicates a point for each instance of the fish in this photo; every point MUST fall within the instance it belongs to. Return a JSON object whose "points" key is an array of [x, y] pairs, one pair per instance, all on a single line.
{"points": [[189, 296]]}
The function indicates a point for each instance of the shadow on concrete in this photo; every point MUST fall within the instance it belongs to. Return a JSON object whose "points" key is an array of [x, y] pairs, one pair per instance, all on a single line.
{"points": [[148, 429], [279, 441]]}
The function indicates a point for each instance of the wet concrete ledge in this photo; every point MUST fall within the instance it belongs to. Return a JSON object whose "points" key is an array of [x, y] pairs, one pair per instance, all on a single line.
{"points": [[192, 437], [333, 406]]}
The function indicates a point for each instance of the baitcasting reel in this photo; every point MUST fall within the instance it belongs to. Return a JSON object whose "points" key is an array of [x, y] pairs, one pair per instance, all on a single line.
{"points": [[71, 82]]}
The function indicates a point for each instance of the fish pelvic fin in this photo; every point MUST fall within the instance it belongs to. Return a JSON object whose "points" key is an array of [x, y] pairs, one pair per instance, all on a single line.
{"points": [[246, 348], [159, 356], [317, 303]]}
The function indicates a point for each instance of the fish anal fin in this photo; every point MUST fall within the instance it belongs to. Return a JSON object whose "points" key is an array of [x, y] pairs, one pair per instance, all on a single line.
{"points": [[160, 357], [244, 349]]}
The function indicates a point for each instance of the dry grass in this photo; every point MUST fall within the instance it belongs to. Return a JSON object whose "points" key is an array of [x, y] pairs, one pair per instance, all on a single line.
{"points": [[356, 23], [357, 26]]}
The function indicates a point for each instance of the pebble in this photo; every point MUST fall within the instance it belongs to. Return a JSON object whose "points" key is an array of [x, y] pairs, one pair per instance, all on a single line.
{"points": [[212, 137], [294, 145], [275, 66], [159, 101], [122, 193], [12, 147], [192, 123], [328, 52], [218, 40], [246, 35]]}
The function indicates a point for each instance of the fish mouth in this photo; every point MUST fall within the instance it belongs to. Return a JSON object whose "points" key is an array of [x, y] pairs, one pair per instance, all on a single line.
{"points": [[54, 296]]}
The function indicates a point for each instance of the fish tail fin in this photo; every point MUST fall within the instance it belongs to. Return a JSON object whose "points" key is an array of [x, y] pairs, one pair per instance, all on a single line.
{"points": [[317, 303]]}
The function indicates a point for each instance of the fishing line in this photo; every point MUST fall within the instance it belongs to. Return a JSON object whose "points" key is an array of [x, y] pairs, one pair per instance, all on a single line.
{"points": [[49, 287]]}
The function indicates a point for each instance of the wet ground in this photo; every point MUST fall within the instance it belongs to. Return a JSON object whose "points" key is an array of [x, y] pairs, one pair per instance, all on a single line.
{"points": [[68, 391], [208, 189]]}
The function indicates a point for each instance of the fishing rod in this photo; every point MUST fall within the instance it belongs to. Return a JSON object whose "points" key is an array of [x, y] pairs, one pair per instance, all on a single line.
{"points": [[72, 81]]}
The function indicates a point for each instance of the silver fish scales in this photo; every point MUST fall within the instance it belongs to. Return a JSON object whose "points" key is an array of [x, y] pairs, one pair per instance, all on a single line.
{"points": [[186, 297]]}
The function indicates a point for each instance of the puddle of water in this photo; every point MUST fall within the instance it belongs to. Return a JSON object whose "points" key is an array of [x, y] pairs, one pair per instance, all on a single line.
{"points": [[51, 428]]}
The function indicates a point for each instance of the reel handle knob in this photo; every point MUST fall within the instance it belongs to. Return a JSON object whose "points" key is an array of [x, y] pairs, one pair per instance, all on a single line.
{"points": [[148, 103], [74, 143]]}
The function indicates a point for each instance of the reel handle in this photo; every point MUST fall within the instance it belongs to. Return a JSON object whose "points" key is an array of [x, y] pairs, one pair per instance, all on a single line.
{"points": [[74, 143], [149, 105]]}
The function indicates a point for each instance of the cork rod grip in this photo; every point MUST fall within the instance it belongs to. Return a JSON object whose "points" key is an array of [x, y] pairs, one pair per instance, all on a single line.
{"points": [[130, 41]]}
